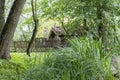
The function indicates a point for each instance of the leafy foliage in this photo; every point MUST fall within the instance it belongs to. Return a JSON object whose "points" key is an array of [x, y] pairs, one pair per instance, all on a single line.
{"points": [[81, 61], [85, 59]]}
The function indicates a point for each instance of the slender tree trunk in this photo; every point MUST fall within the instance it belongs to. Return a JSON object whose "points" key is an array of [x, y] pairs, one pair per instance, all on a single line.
{"points": [[100, 24], [36, 21], [2, 14], [9, 28], [66, 32], [85, 22], [86, 29]]}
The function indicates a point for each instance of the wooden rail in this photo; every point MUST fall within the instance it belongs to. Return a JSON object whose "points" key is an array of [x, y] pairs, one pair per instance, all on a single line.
{"points": [[39, 44]]}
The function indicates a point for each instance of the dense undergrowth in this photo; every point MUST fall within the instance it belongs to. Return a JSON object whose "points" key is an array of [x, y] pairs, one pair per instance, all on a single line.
{"points": [[16, 67], [85, 60]]}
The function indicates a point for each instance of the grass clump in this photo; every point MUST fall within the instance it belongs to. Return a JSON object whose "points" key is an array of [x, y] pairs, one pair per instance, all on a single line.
{"points": [[84, 60]]}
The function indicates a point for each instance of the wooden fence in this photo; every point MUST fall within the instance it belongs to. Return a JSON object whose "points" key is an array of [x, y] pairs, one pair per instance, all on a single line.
{"points": [[40, 44]]}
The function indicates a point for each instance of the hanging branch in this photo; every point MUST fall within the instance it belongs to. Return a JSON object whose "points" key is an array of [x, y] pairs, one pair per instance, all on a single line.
{"points": [[36, 22]]}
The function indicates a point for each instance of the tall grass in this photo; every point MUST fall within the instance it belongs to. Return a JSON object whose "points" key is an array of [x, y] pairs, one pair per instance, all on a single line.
{"points": [[84, 60]]}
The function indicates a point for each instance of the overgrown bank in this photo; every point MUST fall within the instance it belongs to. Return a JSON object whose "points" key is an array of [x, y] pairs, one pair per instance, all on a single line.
{"points": [[84, 60]]}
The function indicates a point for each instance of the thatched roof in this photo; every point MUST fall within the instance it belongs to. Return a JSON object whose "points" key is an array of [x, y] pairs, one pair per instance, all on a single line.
{"points": [[56, 31]]}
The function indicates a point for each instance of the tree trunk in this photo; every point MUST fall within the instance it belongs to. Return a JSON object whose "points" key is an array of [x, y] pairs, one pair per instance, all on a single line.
{"points": [[2, 14], [100, 25], [36, 21], [85, 22], [66, 32], [9, 28]]}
